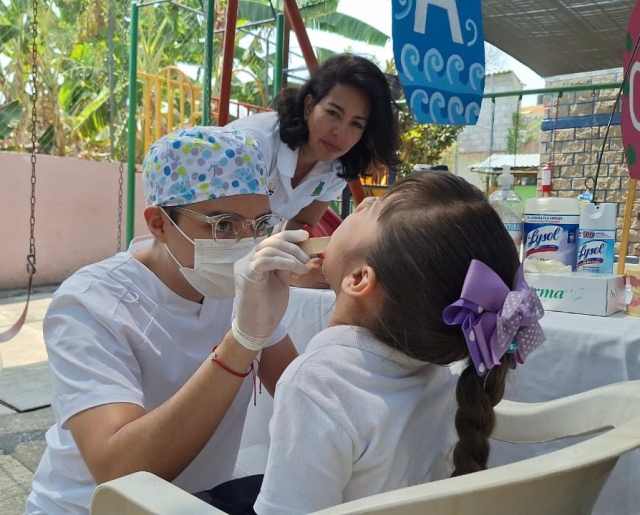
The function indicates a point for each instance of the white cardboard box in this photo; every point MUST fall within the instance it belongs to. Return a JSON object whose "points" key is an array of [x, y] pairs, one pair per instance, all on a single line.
{"points": [[579, 292]]}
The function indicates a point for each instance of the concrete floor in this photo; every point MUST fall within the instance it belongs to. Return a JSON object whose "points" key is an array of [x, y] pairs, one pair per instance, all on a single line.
{"points": [[23, 381]]}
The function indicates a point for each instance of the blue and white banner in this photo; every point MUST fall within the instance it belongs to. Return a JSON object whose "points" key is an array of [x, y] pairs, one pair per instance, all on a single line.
{"points": [[438, 47]]}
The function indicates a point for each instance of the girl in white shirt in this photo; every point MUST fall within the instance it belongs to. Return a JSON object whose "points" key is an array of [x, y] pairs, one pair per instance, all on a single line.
{"points": [[425, 277]]}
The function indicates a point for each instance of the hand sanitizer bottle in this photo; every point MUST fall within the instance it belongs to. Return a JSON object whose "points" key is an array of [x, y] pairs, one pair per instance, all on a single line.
{"points": [[508, 204]]}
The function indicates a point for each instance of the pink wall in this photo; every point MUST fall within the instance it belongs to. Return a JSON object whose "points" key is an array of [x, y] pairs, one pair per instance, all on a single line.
{"points": [[76, 216]]}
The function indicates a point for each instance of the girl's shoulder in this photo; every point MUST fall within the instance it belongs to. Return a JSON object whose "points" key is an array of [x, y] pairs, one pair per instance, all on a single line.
{"points": [[353, 355], [328, 352]]}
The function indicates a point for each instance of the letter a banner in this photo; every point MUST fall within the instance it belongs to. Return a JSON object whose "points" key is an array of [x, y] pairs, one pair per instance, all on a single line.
{"points": [[438, 47], [631, 98]]}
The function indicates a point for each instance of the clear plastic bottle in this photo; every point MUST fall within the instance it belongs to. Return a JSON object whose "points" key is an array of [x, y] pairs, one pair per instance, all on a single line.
{"points": [[508, 204]]}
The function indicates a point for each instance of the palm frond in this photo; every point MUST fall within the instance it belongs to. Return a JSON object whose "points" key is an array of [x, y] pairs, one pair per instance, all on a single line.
{"points": [[10, 116], [7, 33], [95, 116], [348, 27], [257, 10]]}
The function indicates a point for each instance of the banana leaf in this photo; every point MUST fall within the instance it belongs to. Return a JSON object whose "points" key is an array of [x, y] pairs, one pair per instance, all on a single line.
{"points": [[10, 115]]}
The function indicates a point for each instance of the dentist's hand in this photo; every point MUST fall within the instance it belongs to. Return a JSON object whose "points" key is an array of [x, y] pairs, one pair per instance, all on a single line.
{"points": [[262, 286]]}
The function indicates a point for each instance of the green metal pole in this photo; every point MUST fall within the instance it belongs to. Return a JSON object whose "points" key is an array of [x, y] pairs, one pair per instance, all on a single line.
{"points": [[131, 124], [558, 89], [208, 63], [277, 72]]}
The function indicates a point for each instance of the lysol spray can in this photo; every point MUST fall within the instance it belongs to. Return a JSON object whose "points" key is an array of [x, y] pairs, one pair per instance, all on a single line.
{"points": [[597, 238], [551, 229]]}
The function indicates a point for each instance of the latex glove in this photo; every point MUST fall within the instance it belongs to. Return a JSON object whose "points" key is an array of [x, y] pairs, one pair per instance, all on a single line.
{"points": [[262, 286]]}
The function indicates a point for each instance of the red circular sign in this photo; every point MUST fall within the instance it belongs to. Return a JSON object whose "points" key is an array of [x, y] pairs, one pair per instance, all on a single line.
{"points": [[631, 96]]}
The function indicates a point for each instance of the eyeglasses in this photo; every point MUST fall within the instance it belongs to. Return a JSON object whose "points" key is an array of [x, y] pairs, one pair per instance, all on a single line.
{"points": [[232, 227]]}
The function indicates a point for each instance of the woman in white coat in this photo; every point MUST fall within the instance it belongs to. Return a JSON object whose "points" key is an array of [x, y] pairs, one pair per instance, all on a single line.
{"points": [[333, 129]]}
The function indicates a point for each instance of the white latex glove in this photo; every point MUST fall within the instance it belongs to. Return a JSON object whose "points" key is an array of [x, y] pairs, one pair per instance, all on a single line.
{"points": [[262, 286]]}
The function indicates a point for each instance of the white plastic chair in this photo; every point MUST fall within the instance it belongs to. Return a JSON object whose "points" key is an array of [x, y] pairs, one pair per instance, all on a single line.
{"points": [[563, 482]]}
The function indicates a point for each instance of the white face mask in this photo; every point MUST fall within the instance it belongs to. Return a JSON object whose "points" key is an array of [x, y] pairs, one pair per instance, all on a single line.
{"points": [[212, 272]]}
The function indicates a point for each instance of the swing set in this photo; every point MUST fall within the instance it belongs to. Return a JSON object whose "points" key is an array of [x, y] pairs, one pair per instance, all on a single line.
{"points": [[170, 81]]}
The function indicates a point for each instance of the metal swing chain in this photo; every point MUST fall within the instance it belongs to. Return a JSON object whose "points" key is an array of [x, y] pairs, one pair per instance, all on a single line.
{"points": [[517, 130], [490, 178], [122, 147], [31, 257], [590, 182], [120, 194], [493, 121], [11, 332]]}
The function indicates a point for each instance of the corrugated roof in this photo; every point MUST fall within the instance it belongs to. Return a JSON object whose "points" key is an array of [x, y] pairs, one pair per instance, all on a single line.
{"points": [[516, 162], [556, 37]]}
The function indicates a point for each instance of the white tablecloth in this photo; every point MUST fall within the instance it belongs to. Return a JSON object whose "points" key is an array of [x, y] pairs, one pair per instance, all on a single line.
{"points": [[581, 352]]}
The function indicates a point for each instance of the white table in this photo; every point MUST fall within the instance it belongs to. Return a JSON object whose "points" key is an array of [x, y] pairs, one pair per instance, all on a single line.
{"points": [[581, 352]]}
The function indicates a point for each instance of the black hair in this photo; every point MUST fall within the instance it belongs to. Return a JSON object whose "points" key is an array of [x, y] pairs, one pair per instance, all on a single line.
{"points": [[380, 142]]}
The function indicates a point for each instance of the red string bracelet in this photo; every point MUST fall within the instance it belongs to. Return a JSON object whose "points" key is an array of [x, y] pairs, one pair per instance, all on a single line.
{"points": [[214, 357]]}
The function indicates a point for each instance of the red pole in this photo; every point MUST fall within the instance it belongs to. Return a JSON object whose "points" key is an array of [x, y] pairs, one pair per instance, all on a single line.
{"points": [[227, 61], [292, 13]]}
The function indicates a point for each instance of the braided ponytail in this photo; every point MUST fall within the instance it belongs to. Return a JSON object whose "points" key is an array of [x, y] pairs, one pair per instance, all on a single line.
{"points": [[475, 418]]}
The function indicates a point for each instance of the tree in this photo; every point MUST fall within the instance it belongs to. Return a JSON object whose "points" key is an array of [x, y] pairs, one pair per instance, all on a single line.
{"points": [[15, 48], [71, 74], [523, 130], [258, 53], [421, 143], [72, 69]]}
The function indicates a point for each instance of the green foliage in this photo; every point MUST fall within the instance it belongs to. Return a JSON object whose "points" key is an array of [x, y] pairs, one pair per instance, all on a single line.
{"points": [[10, 115], [522, 131], [515, 136], [421, 143], [74, 94], [7, 33], [71, 72], [424, 143]]}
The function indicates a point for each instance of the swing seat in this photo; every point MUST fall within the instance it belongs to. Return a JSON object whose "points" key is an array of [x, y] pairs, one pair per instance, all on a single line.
{"points": [[563, 482]]}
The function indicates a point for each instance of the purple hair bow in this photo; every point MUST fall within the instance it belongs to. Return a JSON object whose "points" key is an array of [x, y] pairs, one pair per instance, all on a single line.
{"points": [[494, 319]]}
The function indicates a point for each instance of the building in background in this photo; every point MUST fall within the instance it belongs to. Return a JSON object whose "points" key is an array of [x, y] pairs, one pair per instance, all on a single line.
{"points": [[574, 133]]}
